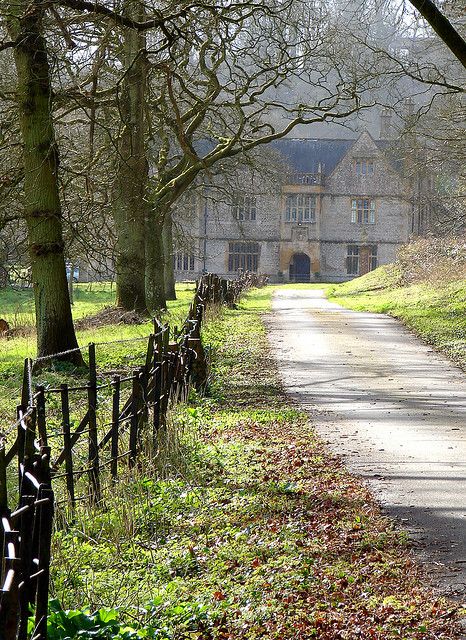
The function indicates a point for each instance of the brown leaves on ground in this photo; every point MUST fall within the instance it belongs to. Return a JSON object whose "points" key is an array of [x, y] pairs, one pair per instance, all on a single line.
{"points": [[110, 316], [355, 577]]}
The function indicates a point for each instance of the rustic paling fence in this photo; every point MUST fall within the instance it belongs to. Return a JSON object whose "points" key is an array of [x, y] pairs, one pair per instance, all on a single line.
{"points": [[72, 441]]}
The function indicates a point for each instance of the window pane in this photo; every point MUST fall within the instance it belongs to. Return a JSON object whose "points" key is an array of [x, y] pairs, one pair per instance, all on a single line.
{"points": [[363, 211], [364, 167], [300, 207], [352, 259], [244, 207], [243, 255]]}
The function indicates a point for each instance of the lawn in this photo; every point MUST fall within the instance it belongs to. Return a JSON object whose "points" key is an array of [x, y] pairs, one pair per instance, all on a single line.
{"points": [[435, 311], [90, 299], [17, 305], [250, 530]]}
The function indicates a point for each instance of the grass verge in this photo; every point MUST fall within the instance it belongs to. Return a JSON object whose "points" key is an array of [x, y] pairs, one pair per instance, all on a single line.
{"points": [[253, 530], [436, 312]]}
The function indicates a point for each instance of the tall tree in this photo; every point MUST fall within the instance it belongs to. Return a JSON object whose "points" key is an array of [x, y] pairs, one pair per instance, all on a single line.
{"points": [[130, 193], [224, 89], [442, 27], [42, 209]]}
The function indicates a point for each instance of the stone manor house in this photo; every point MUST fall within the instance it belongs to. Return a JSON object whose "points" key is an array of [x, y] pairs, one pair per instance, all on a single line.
{"points": [[342, 208]]}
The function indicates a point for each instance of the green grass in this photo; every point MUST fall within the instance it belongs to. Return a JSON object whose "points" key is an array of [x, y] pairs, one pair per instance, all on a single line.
{"points": [[436, 312], [251, 531], [89, 300], [17, 305]]}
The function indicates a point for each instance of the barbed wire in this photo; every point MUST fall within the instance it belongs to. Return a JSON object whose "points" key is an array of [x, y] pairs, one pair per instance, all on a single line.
{"points": [[124, 340], [99, 344]]}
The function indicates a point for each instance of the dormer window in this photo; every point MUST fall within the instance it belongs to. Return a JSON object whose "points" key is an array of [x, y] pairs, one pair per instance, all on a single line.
{"points": [[244, 207], [364, 167]]}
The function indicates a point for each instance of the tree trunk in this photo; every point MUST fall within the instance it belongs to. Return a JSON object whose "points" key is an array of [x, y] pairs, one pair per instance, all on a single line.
{"points": [[169, 271], [42, 209], [71, 283], [155, 271], [130, 189]]}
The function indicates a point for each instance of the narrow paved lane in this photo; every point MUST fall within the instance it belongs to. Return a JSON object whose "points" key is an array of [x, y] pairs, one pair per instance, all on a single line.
{"points": [[391, 406]]}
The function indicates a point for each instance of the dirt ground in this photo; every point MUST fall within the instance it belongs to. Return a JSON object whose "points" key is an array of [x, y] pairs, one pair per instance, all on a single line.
{"points": [[392, 408]]}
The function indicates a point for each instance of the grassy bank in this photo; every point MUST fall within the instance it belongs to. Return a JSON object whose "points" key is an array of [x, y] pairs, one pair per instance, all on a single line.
{"points": [[249, 530], [435, 311]]}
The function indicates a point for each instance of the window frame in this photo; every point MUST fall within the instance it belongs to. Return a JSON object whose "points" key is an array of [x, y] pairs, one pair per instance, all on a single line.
{"points": [[364, 167], [184, 261], [373, 259], [362, 210], [244, 207], [243, 255], [352, 259], [300, 208]]}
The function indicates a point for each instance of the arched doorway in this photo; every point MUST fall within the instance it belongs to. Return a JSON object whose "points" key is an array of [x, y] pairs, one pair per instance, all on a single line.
{"points": [[300, 268]]}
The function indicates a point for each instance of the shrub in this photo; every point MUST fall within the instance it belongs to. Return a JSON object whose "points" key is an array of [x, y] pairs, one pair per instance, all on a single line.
{"points": [[433, 260]]}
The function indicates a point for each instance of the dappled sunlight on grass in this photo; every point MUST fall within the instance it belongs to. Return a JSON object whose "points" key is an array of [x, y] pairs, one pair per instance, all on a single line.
{"points": [[261, 533], [89, 300]]}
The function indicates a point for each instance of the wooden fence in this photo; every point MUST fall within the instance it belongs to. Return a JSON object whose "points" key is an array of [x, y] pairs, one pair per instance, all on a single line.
{"points": [[55, 450]]}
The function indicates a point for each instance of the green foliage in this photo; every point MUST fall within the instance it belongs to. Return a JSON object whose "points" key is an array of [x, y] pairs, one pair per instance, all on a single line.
{"points": [[73, 623], [164, 621]]}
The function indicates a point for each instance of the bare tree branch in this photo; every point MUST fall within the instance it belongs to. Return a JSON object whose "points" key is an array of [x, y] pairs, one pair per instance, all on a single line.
{"points": [[442, 27]]}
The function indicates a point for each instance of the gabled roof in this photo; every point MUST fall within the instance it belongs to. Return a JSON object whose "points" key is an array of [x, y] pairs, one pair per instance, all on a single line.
{"points": [[304, 155]]}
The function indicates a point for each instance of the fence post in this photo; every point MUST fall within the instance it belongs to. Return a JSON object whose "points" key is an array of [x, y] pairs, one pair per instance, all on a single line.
{"points": [[41, 423], [26, 528], [9, 600], [136, 407], [45, 516], [94, 481], [26, 390], [150, 352], [21, 439], [115, 427], [65, 409], [4, 511], [156, 391]]}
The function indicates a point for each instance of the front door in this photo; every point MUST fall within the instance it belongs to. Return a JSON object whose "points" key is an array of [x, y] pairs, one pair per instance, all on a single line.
{"points": [[300, 268], [364, 260]]}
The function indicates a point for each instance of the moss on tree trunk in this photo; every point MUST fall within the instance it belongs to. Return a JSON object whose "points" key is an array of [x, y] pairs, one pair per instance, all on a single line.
{"points": [[169, 271], [155, 268], [42, 209]]}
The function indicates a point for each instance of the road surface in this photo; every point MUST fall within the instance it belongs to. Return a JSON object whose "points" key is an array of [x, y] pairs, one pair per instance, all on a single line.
{"points": [[392, 407]]}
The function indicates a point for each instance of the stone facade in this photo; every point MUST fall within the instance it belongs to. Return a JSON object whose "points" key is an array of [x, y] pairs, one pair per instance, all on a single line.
{"points": [[342, 208]]}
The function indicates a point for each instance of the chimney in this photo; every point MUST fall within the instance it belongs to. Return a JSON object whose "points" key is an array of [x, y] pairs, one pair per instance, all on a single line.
{"points": [[385, 124]]}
